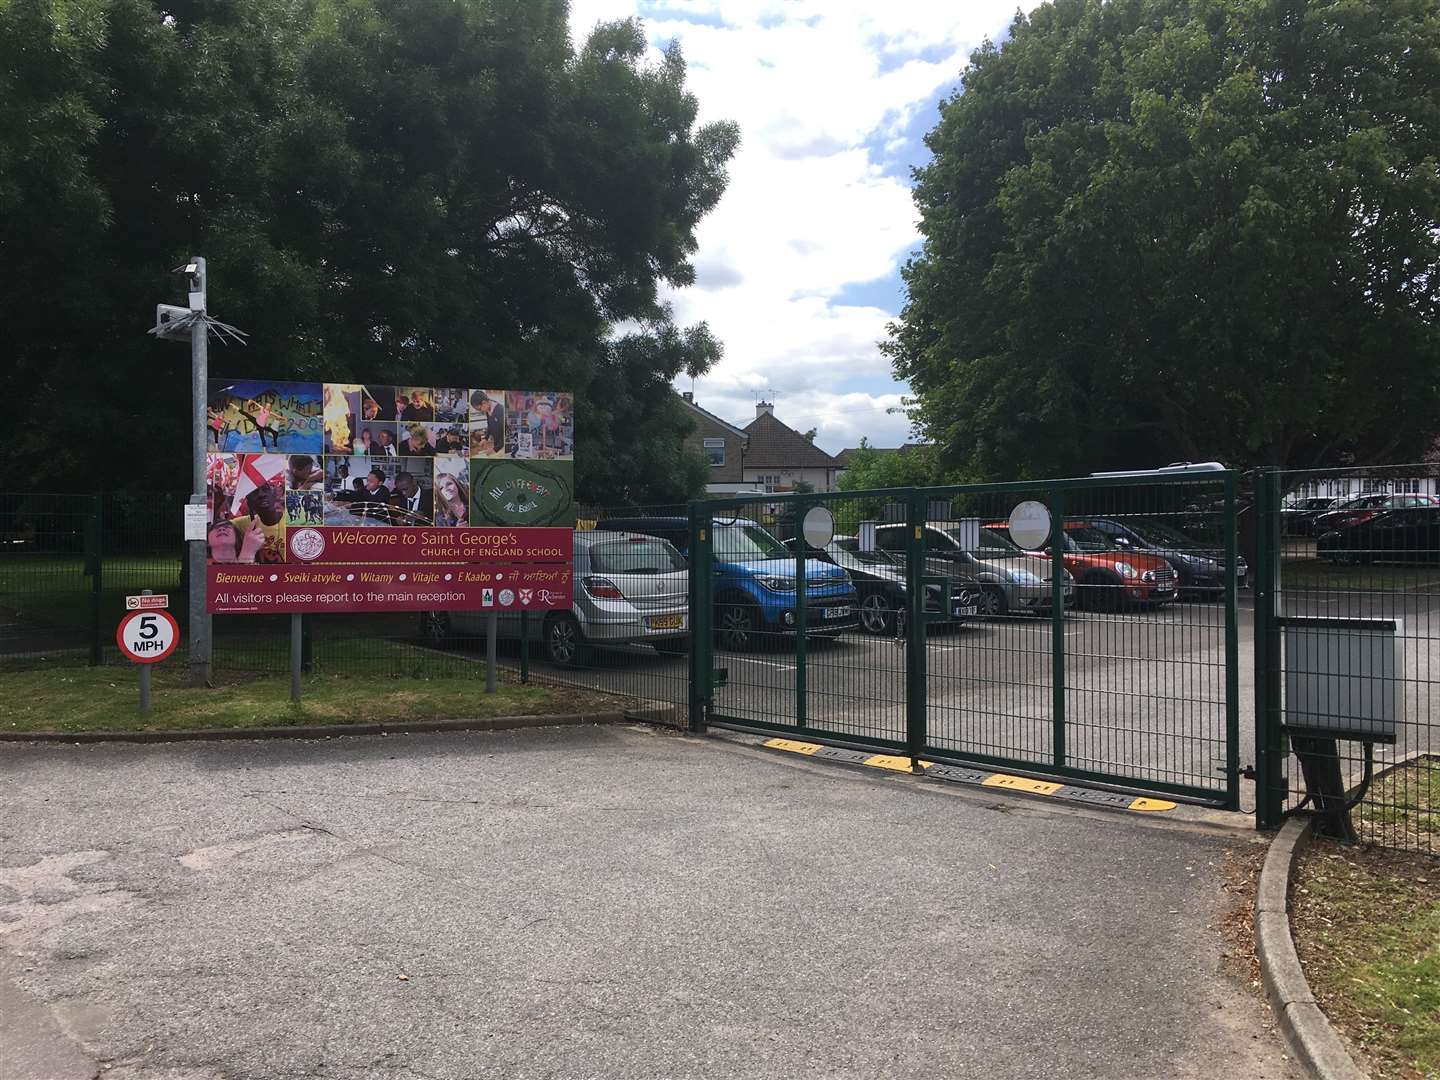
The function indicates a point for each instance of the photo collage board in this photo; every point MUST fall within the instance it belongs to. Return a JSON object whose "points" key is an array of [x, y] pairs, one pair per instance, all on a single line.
{"points": [[285, 455]]}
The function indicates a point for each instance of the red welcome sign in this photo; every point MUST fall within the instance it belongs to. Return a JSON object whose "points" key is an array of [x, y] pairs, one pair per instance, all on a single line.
{"points": [[356, 569]]}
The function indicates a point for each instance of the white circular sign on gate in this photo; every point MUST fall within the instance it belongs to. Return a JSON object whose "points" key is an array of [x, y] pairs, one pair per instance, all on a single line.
{"points": [[818, 527], [1030, 524], [148, 637]]}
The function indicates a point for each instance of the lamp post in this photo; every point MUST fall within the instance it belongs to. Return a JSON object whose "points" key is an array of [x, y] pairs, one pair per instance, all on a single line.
{"points": [[194, 323]]}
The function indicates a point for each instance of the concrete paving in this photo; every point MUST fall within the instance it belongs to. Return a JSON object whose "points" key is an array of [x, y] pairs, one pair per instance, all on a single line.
{"points": [[594, 902]]}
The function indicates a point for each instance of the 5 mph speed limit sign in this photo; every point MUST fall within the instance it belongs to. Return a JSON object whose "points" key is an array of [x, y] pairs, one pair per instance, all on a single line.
{"points": [[148, 637]]}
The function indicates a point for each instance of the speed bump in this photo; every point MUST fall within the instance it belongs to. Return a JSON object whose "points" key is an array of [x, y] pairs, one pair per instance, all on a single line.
{"points": [[977, 777]]}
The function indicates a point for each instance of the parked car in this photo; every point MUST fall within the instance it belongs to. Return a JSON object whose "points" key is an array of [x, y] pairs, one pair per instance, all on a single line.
{"points": [[1106, 577], [628, 588], [1408, 535], [1201, 569], [1362, 508], [1297, 518], [1010, 580], [755, 581], [880, 584]]}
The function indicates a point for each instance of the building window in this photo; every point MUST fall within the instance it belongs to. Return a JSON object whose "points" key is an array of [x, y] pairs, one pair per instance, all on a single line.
{"points": [[715, 451], [771, 483]]}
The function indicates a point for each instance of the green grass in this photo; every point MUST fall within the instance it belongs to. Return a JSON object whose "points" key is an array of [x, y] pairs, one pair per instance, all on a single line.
{"points": [[107, 699], [1402, 808], [1318, 574], [1367, 924]]}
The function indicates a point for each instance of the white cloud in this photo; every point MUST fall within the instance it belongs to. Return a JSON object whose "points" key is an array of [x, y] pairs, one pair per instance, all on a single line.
{"points": [[824, 92]]}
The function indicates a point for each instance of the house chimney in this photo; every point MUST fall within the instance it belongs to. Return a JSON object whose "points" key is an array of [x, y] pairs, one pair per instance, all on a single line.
{"points": [[688, 396], [764, 408]]}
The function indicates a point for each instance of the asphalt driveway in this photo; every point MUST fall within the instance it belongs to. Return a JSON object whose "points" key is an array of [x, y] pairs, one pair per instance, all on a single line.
{"points": [[592, 902]]}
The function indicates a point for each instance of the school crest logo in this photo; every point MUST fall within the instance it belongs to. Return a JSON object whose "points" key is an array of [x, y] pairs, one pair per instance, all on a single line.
{"points": [[526, 595], [307, 544]]}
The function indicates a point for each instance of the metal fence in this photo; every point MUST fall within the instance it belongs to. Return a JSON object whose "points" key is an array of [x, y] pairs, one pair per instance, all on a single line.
{"points": [[931, 625], [1125, 683], [1347, 657]]}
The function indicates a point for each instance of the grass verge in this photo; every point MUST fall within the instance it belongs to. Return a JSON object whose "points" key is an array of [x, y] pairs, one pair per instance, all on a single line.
{"points": [[1367, 926], [107, 699], [1402, 808]]}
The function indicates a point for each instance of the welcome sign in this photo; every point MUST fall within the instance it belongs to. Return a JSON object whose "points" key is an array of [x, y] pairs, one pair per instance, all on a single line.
{"points": [[368, 497]]}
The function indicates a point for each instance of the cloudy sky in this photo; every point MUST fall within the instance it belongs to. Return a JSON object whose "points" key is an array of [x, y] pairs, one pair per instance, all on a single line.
{"points": [[798, 268]]}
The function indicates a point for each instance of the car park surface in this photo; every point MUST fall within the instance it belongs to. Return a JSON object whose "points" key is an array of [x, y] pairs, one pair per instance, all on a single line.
{"points": [[598, 902]]}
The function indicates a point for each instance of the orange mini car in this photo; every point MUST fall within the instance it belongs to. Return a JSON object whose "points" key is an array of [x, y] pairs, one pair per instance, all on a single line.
{"points": [[1107, 579]]}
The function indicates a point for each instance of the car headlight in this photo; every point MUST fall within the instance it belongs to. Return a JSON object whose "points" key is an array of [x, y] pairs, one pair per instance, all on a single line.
{"points": [[1124, 569], [1024, 577], [777, 584]]}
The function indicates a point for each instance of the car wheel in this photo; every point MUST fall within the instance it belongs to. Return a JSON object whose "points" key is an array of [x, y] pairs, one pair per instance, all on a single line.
{"points": [[434, 627], [565, 644], [1102, 592], [876, 614], [738, 627], [992, 601], [672, 646]]}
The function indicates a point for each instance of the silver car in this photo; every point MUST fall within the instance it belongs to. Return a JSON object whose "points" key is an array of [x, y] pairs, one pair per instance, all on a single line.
{"points": [[1011, 581], [628, 589]]}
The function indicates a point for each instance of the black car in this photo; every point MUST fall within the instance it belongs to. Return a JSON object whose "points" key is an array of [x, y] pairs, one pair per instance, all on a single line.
{"points": [[1408, 535], [1298, 518], [1200, 568], [880, 583]]}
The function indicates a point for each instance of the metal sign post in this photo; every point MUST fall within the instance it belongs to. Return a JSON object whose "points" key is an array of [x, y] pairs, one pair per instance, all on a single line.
{"points": [[147, 634], [297, 652]]}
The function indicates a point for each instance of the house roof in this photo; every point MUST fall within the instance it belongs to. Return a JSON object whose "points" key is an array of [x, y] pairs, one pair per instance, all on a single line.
{"points": [[708, 415], [844, 456], [774, 445]]}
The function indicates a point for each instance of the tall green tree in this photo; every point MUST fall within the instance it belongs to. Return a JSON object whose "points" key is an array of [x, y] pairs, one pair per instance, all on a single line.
{"points": [[1182, 229], [387, 190]]}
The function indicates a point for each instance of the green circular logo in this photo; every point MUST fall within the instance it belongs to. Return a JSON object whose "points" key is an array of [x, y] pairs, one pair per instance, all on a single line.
{"points": [[521, 493]]}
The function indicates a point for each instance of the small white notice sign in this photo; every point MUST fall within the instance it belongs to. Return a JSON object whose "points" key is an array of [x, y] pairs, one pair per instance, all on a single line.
{"points": [[194, 522]]}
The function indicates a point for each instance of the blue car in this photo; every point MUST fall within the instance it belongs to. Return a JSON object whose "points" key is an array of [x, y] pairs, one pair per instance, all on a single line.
{"points": [[755, 582]]}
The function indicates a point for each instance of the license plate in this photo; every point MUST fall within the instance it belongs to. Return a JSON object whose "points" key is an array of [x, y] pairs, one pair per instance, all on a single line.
{"points": [[970, 609], [837, 612], [667, 622]]}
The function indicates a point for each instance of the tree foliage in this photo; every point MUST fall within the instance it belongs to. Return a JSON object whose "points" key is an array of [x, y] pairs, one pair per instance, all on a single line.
{"points": [[1195, 229], [869, 468], [391, 190]]}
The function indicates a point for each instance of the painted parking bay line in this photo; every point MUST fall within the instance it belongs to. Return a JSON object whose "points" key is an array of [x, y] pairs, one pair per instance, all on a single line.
{"points": [[978, 777]]}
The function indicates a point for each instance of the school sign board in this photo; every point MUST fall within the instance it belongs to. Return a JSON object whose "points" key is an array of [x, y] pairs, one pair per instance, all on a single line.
{"points": [[357, 497]]}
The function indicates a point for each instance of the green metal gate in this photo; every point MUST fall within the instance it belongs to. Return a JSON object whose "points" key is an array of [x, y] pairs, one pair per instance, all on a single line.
{"points": [[1120, 671]]}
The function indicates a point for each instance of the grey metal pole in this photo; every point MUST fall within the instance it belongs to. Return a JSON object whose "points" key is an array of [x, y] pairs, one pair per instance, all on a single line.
{"points": [[297, 652], [492, 631], [145, 678], [199, 393]]}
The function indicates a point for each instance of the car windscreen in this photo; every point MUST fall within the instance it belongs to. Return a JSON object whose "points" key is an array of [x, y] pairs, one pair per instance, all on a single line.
{"points": [[635, 557], [859, 560], [746, 543], [1087, 538], [992, 543], [1363, 501], [1162, 535]]}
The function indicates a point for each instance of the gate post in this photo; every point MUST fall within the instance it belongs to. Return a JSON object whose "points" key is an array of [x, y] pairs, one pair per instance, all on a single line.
{"points": [[702, 607], [1232, 651], [95, 563], [802, 551], [916, 672], [1057, 626], [1269, 745]]}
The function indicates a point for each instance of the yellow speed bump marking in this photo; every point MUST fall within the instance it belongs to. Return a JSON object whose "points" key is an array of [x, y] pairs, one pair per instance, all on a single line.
{"points": [[893, 762], [793, 746], [1022, 783], [1151, 806]]}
